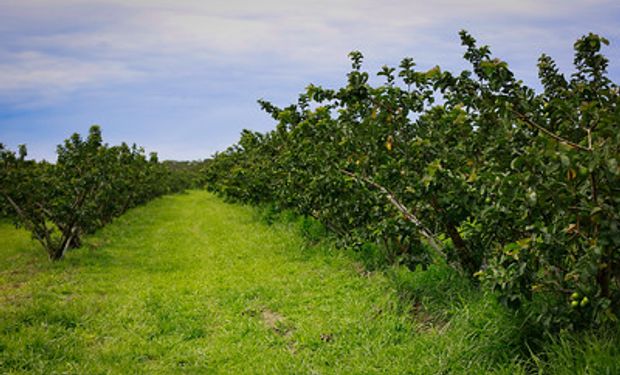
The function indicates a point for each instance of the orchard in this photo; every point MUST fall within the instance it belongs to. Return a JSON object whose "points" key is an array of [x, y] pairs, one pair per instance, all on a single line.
{"points": [[517, 189], [90, 184]]}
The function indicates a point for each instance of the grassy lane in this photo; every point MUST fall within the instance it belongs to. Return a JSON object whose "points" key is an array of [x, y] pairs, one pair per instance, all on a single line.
{"points": [[189, 284]]}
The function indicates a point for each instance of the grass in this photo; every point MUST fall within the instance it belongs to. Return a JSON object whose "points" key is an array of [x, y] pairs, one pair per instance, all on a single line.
{"points": [[189, 284]]}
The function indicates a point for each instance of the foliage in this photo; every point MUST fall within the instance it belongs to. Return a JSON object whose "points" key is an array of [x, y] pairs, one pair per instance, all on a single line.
{"points": [[515, 188], [186, 174], [89, 185]]}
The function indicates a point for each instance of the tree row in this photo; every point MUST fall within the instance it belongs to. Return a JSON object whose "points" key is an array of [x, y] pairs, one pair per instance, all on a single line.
{"points": [[90, 184], [518, 189]]}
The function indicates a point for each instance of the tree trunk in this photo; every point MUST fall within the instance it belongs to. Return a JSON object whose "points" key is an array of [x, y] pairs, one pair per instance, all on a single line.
{"points": [[466, 258], [464, 254]]}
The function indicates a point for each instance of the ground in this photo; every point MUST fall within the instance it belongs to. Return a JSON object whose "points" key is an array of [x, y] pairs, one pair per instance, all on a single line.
{"points": [[190, 284]]}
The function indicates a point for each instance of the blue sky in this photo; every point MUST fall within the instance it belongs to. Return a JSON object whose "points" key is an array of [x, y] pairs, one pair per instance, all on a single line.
{"points": [[182, 77]]}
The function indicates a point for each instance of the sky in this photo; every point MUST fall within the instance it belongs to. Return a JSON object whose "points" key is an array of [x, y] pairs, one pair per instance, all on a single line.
{"points": [[182, 77]]}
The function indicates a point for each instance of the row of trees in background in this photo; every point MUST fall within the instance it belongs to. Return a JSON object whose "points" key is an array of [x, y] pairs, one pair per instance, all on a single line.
{"points": [[517, 189], [90, 184]]}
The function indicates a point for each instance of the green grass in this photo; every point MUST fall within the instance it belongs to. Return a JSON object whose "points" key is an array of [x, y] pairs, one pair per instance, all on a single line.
{"points": [[189, 284]]}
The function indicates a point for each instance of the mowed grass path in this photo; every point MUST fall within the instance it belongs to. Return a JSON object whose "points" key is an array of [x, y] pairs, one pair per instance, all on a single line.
{"points": [[189, 284]]}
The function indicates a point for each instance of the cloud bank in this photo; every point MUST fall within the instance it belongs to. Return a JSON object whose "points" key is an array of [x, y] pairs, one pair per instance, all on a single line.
{"points": [[183, 77]]}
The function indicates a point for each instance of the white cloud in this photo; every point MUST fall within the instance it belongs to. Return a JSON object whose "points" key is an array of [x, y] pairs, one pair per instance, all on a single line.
{"points": [[31, 69], [31, 79], [65, 45]]}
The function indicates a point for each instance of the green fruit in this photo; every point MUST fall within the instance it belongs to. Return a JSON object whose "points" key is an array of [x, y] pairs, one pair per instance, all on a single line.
{"points": [[574, 296], [532, 197], [584, 301], [574, 304]]}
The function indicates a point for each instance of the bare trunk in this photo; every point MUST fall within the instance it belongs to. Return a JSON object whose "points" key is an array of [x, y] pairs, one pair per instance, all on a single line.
{"points": [[463, 253]]}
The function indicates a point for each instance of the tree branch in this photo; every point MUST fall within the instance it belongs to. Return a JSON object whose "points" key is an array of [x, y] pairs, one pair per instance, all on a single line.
{"points": [[425, 232], [29, 223], [558, 138]]}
